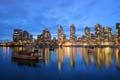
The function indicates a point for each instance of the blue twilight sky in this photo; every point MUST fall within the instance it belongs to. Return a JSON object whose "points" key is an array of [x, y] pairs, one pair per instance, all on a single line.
{"points": [[36, 15]]}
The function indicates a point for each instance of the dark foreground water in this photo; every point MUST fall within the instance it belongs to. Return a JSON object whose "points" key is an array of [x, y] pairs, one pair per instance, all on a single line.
{"points": [[62, 64]]}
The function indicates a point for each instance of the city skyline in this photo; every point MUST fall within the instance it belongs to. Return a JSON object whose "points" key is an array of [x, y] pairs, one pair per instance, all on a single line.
{"points": [[67, 35], [100, 33], [35, 16]]}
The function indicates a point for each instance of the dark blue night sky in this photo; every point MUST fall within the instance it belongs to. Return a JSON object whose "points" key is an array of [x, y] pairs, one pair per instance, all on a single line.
{"points": [[36, 15]]}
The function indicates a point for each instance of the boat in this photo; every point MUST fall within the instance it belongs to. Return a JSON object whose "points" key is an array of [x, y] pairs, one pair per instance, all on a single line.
{"points": [[29, 53], [26, 56]]}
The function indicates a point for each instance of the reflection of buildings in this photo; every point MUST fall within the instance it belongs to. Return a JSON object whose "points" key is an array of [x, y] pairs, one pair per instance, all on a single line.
{"points": [[118, 57], [72, 57], [6, 50], [66, 52], [60, 57], [100, 56], [47, 55], [86, 55], [107, 56], [104, 56], [70, 52]]}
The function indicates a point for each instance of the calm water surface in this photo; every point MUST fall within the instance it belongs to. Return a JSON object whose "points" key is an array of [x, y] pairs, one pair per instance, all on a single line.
{"points": [[68, 63]]}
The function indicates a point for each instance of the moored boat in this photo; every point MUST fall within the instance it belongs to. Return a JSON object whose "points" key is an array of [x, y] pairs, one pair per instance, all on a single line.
{"points": [[26, 56]]}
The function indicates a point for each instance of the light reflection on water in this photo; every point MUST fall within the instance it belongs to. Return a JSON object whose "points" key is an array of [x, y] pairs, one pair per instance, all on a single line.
{"points": [[69, 60], [98, 56]]}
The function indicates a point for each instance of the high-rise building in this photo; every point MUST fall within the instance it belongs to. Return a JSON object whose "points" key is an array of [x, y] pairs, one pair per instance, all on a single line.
{"points": [[107, 34], [93, 38], [72, 32], [99, 33], [40, 37], [17, 35], [61, 35], [46, 35], [118, 31], [87, 34], [87, 30], [98, 30], [44, 38], [26, 35], [110, 34], [114, 38], [20, 35]]}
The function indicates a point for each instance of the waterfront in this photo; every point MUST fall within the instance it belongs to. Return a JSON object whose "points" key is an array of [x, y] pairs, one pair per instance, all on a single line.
{"points": [[72, 63]]}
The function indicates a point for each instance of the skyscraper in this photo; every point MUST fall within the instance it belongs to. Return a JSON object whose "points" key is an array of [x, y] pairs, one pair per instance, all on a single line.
{"points": [[17, 35], [61, 35], [44, 38], [107, 34], [26, 36], [20, 35], [87, 34], [99, 33], [72, 32], [46, 35], [118, 31]]}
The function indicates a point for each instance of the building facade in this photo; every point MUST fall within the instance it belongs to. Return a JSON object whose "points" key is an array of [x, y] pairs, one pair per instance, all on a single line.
{"points": [[107, 34], [44, 39], [72, 32], [99, 33], [19, 36], [61, 35], [87, 35], [118, 32]]}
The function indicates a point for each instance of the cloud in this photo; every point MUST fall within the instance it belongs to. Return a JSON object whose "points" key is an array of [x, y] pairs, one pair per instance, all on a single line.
{"points": [[36, 15]]}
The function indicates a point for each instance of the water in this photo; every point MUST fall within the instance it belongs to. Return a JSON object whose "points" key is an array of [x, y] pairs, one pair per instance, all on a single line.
{"points": [[62, 64]]}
